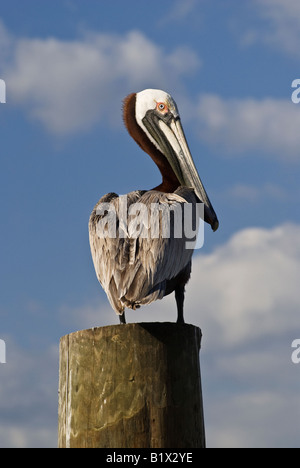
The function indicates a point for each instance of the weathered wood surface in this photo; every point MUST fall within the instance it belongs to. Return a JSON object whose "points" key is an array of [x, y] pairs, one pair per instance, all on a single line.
{"points": [[131, 386]]}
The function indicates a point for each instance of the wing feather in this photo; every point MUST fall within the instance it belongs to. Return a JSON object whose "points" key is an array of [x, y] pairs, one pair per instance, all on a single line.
{"points": [[134, 266]]}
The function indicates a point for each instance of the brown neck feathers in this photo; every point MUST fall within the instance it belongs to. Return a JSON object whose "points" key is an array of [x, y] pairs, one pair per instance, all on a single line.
{"points": [[170, 182]]}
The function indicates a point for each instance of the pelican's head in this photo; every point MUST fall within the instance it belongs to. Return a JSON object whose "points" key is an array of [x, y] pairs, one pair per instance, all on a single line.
{"points": [[156, 114]]}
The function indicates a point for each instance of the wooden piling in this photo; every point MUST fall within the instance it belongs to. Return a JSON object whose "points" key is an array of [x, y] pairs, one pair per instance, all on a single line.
{"points": [[131, 386]]}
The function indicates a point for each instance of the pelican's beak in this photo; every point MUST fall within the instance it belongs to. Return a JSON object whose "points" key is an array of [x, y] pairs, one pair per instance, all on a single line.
{"points": [[174, 146]]}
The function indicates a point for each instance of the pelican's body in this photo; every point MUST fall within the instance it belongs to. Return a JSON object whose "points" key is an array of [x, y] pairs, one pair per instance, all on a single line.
{"points": [[135, 261]]}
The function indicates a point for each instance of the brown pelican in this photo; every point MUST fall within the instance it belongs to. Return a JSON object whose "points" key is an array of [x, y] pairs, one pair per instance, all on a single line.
{"points": [[139, 269]]}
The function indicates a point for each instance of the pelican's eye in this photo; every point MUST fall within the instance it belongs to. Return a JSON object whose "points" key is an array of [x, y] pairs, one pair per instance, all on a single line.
{"points": [[162, 108]]}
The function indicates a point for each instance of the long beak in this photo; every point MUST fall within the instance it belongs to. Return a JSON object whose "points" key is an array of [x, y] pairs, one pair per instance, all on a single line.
{"points": [[179, 156]]}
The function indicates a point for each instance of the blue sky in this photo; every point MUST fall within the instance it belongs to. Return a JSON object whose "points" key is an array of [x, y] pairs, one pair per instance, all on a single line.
{"points": [[229, 66]]}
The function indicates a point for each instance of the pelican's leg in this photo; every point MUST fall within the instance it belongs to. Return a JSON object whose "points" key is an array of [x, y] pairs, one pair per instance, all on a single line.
{"points": [[122, 318], [179, 296]]}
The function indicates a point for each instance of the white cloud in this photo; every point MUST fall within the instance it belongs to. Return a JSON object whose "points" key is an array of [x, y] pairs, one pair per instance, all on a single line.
{"points": [[28, 397], [265, 419], [180, 11], [245, 298], [89, 315], [237, 125], [70, 85], [251, 280], [6, 42], [280, 27], [242, 193]]}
